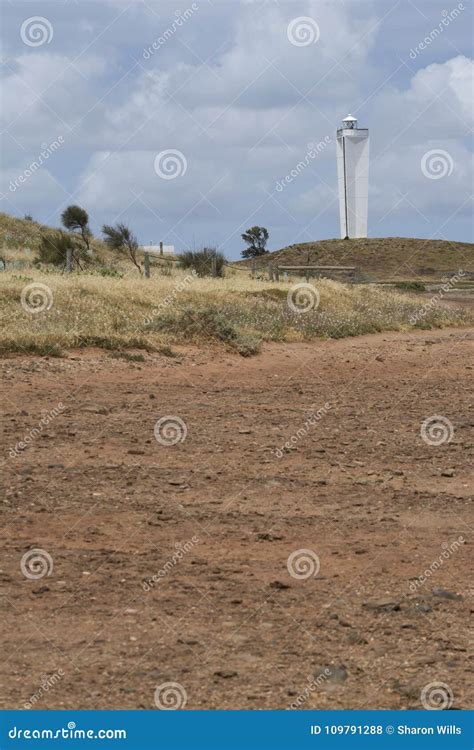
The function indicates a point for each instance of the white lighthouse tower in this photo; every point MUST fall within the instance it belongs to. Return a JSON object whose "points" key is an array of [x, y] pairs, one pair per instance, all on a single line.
{"points": [[352, 146]]}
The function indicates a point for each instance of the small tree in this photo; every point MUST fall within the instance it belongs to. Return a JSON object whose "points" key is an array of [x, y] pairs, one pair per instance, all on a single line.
{"points": [[76, 219], [256, 239], [121, 239]]}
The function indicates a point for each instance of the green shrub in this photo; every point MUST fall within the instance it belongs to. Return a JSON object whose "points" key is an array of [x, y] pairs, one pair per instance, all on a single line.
{"points": [[110, 272], [410, 286], [203, 261]]}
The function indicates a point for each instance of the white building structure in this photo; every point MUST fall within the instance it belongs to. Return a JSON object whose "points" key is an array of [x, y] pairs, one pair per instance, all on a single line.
{"points": [[352, 145]]}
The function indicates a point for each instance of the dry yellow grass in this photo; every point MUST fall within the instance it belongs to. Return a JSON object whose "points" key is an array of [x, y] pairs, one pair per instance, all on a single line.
{"points": [[49, 312]]}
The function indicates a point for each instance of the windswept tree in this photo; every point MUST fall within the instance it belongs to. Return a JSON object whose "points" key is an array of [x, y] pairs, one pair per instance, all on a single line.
{"points": [[256, 239], [76, 220], [121, 239]]}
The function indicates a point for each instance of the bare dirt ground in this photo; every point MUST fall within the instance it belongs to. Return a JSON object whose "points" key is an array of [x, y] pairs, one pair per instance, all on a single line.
{"points": [[225, 619]]}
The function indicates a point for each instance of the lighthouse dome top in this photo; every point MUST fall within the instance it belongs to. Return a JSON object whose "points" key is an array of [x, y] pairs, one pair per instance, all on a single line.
{"points": [[350, 122]]}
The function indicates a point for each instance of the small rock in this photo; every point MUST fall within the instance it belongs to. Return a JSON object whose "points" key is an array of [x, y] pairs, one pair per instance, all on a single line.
{"points": [[447, 594], [225, 674], [447, 473], [94, 408], [383, 605], [279, 585], [40, 590], [356, 639]]}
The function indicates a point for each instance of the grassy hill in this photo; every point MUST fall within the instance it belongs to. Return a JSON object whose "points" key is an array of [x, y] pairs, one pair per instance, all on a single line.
{"points": [[47, 311], [384, 259]]}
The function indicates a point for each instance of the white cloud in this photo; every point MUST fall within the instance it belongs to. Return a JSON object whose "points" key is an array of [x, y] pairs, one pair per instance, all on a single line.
{"points": [[241, 102]]}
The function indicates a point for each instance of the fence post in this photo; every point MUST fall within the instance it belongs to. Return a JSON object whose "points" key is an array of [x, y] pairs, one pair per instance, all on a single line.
{"points": [[146, 265], [307, 275], [214, 267], [277, 273], [161, 248], [270, 272], [68, 260], [254, 267]]}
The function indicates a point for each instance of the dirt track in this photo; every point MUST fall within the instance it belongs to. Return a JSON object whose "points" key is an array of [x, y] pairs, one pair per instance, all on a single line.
{"points": [[360, 489]]}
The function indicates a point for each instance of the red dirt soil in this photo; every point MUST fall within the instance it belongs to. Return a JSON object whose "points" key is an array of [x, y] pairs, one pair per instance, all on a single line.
{"points": [[360, 489]]}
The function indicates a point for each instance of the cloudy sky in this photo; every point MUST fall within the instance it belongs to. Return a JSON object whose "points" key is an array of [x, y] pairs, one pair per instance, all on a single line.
{"points": [[184, 119]]}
